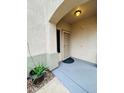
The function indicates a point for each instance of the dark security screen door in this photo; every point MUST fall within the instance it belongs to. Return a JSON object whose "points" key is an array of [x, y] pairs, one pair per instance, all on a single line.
{"points": [[58, 40]]}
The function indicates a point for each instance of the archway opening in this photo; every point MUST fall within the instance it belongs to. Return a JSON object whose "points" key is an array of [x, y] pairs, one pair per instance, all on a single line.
{"points": [[78, 33]]}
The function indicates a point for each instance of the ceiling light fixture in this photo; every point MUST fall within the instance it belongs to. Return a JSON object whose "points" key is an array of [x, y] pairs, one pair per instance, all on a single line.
{"points": [[77, 13]]}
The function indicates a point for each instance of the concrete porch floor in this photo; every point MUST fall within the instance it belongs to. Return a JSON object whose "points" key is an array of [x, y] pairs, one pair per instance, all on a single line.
{"points": [[78, 77]]}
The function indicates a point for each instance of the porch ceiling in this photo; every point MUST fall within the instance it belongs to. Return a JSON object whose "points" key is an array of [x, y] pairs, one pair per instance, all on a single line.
{"points": [[88, 9], [64, 8]]}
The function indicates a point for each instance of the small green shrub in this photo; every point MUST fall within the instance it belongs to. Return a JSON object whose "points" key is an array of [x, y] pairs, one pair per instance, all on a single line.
{"points": [[38, 71]]}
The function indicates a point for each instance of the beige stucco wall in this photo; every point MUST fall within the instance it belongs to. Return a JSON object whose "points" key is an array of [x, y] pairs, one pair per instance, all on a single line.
{"points": [[35, 27], [39, 30], [41, 34], [84, 39]]}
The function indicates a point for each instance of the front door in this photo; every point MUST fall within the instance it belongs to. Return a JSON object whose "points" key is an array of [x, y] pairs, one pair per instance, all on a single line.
{"points": [[66, 45]]}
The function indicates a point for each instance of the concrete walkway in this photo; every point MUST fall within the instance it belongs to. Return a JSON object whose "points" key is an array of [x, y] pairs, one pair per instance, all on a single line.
{"points": [[78, 77], [54, 86]]}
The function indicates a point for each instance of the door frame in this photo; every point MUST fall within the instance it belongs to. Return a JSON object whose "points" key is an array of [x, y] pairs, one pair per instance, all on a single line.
{"points": [[62, 43], [61, 54]]}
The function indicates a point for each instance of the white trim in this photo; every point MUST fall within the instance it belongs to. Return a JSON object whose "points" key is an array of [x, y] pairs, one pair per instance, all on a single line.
{"points": [[61, 54], [66, 31]]}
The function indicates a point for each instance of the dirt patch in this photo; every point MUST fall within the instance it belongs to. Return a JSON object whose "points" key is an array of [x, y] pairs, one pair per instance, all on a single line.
{"points": [[32, 88]]}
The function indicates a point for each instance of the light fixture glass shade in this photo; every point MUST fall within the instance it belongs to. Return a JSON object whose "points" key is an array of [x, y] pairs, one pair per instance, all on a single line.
{"points": [[78, 12]]}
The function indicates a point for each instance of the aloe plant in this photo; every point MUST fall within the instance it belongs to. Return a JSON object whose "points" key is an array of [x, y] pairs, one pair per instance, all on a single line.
{"points": [[39, 70]]}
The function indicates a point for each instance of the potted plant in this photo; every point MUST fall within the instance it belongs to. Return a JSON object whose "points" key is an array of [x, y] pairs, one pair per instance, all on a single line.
{"points": [[38, 73]]}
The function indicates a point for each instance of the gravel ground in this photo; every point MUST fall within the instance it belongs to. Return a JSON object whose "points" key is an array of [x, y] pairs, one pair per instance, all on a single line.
{"points": [[32, 88]]}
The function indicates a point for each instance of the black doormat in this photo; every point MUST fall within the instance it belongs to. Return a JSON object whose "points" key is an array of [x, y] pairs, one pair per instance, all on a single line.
{"points": [[68, 60]]}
